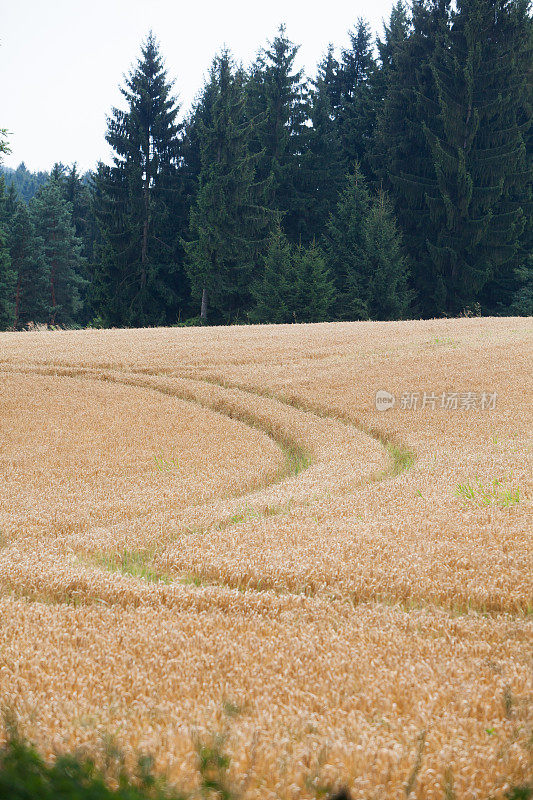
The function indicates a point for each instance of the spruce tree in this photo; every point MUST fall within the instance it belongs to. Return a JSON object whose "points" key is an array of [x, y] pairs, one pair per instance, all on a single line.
{"points": [[344, 246], [324, 168], [385, 271], [7, 280], [7, 276], [395, 36], [51, 217], [477, 147], [274, 292], [278, 105], [32, 280], [402, 156], [510, 276], [140, 280], [296, 285], [26, 183], [356, 113], [228, 220], [314, 290]]}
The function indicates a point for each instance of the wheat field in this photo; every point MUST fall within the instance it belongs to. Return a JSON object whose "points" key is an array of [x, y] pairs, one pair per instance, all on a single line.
{"points": [[214, 530]]}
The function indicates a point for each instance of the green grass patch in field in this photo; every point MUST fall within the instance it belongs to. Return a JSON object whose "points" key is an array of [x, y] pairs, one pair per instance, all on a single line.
{"points": [[138, 563], [473, 491]]}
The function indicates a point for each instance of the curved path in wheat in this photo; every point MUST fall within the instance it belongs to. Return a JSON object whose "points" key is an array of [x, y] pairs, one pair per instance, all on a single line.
{"points": [[201, 520]]}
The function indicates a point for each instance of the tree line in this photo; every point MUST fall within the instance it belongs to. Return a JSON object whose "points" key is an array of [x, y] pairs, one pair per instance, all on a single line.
{"points": [[395, 183]]}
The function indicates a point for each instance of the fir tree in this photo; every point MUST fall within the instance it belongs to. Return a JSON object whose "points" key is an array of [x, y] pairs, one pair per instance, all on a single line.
{"points": [[386, 293], [32, 280], [7, 276], [477, 147], [296, 285], [324, 168], [140, 279], [345, 248], [228, 220], [314, 290], [274, 292], [278, 105], [395, 36], [51, 217], [356, 113], [402, 155], [26, 183]]}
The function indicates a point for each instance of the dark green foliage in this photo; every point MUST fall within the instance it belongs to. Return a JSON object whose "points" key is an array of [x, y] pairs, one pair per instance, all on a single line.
{"points": [[314, 289], [477, 147], [275, 291], [323, 162], [345, 248], [385, 271], [139, 279], [296, 285], [450, 142], [7, 276], [228, 220], [356, 111], [52, 221], [32, 279], [278, 108], [522, 304], [364, 251], [402, 154], [396, 33], [26, 183], [179, 224], [24, 775]]}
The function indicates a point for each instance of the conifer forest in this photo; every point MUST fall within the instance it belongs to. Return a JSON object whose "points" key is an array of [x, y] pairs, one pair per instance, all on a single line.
{"points": [[394, 183]]}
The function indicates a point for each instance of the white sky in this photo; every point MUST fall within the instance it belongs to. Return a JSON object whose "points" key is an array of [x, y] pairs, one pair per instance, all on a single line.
{"points": [[61, 61]]}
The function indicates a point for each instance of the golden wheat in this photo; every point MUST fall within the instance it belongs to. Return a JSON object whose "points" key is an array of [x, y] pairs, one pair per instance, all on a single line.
{"points": [[196, 518]]}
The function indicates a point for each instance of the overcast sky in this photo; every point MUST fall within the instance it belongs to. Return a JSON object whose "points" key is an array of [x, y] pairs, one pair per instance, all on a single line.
{"points": [[61, 61]]}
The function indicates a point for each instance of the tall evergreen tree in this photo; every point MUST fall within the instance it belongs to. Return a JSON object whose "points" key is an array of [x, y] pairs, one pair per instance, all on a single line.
{"points": [[278, 105], [296, 285], [274, 291], [228, 221], [324, 169], [51, 217], [477, 146], [26, 183], [139, 204], [7, 276], [344, 245], [394, 39], [385, 271], [356, 113], [314, 290], [32, 279], [510, 276], [402, 155]]}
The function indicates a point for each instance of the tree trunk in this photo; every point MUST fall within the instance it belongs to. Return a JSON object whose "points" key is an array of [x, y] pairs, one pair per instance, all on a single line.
{"points": [[203, 308]]}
